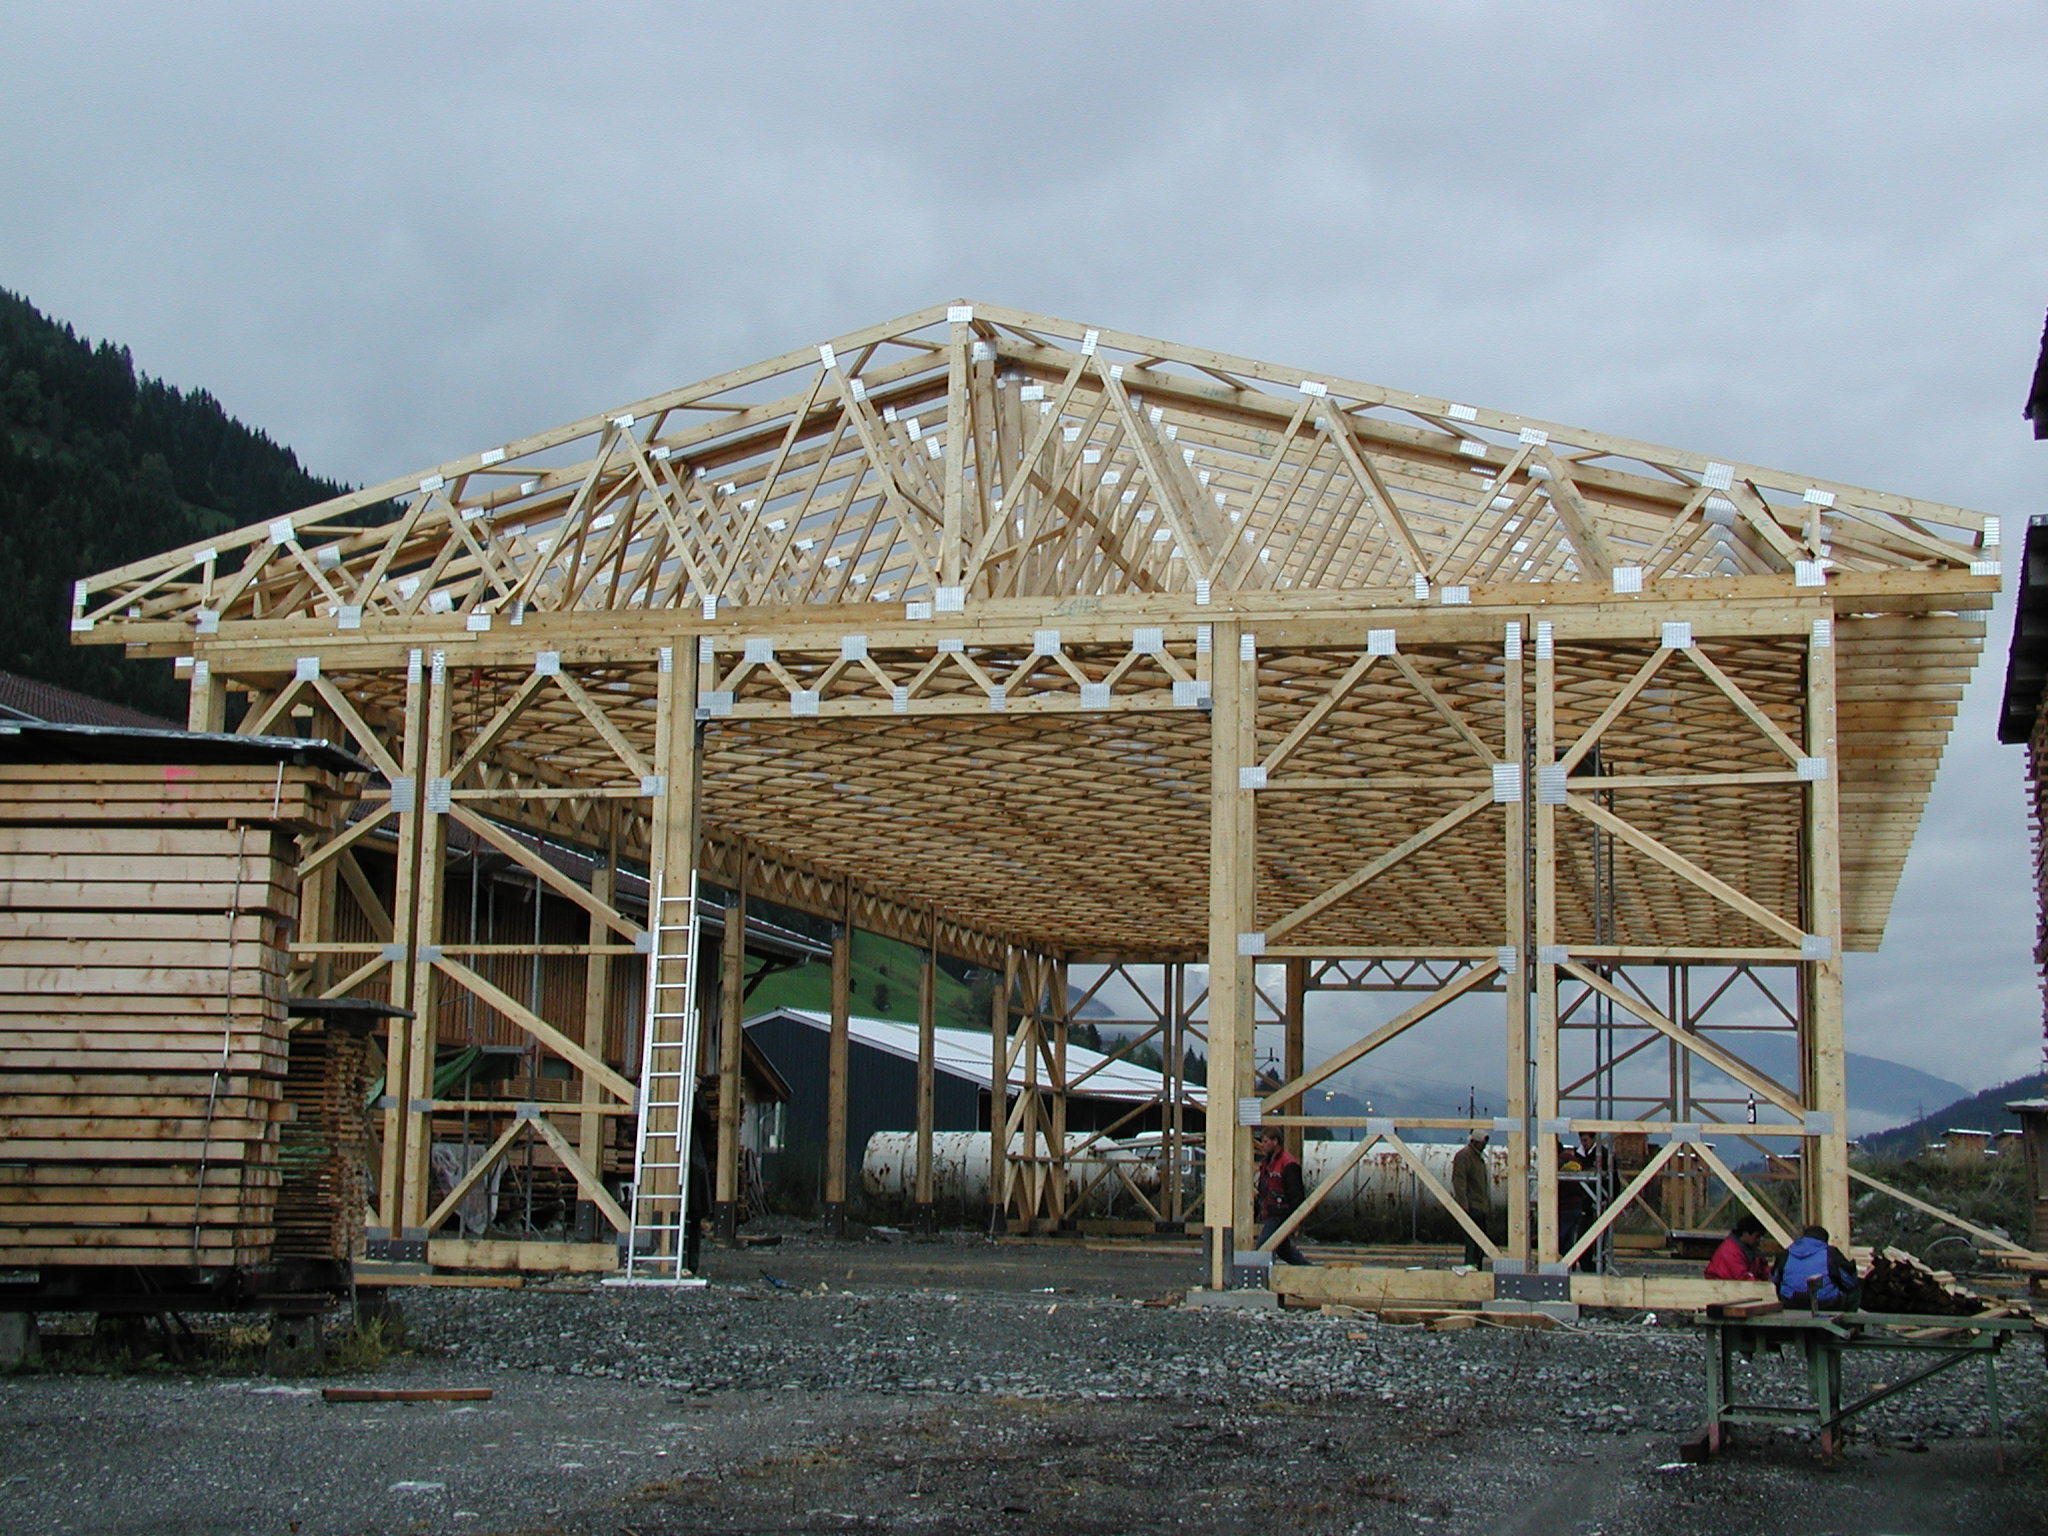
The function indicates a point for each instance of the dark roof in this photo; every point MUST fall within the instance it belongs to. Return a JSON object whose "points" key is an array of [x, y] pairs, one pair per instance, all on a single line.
{"points": [[2026, 667], [26, 741], [2037, 398], [23, 698]]}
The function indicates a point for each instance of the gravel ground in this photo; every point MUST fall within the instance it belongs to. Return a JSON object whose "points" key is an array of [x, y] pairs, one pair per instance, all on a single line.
{"points": [[940, 1387]]}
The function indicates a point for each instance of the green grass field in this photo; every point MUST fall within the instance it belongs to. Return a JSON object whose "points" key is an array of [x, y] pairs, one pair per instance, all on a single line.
{"points": [[884, 987]]}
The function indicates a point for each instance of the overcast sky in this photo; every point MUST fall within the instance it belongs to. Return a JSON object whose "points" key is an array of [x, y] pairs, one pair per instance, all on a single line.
{"points": [[1805, 235]]}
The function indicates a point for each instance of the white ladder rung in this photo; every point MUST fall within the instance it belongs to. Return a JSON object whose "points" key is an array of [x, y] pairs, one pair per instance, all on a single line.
{"points": [[667, 1091]]}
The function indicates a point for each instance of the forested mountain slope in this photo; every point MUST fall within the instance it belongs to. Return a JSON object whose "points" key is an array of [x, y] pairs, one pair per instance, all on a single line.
{"points": [[100, 465]]}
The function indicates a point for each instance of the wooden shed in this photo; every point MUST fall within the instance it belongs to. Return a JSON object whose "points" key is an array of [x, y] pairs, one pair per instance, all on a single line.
{"points": [[148, 890]]}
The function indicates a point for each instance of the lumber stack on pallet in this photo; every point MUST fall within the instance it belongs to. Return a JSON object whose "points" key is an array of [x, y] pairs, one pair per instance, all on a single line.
{"points": [[144, 913], [325, 1145]]}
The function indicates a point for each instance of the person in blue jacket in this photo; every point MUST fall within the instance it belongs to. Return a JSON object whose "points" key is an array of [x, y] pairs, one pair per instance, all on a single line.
{"points": [[1812, 1268]]}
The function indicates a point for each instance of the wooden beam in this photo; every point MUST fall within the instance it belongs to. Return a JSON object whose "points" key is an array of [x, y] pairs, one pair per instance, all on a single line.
{"points": [[836, 1065]]}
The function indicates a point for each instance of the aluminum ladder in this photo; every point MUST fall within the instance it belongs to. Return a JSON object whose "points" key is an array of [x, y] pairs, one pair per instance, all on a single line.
{"points": [[655, 1247]]}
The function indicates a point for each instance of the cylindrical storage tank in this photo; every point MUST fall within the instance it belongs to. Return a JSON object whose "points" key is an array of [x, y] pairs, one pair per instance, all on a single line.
{"points": [[888, 1170], [1383, 1183], [960, 1172]]}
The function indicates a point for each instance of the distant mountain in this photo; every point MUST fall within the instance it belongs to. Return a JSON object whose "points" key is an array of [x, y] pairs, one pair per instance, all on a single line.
{"points": [[100, 465], [1984, 1111], [1881, 1092]]}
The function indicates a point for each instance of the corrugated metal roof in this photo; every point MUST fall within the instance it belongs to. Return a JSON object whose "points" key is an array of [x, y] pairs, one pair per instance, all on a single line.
{"points": [[965, 1053]]}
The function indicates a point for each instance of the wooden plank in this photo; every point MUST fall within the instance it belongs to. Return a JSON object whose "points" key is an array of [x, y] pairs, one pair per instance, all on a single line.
{"points": [[245, 928], [19, 1256], [1663, 1292], [53, 885], [99, 953], [1345, 1285], [502, 1254], [118, 1177], [55, 981], [169, 843]]}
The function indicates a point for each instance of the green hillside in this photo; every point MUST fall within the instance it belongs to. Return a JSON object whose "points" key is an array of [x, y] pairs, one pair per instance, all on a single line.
{"points": [[1984, 1111], [100, 465], [884, 985]]}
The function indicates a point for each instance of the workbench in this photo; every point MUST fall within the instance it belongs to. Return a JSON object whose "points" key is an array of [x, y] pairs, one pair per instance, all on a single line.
{"points": [[1823, 1339]]}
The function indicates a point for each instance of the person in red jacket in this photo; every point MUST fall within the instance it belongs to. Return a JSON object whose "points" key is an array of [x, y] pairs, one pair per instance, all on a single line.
{"points": [[1279, 1191], [1741, 1256]]}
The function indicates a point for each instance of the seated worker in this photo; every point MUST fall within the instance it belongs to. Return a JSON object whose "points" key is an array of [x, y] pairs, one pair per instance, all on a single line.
{"points": [[1812, 1268], [1740, 1256]]}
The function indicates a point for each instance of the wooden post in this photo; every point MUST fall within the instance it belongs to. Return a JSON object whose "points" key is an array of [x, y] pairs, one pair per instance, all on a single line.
{"points": [[926, 1214], [206, 708], [732, 1006], [423, 989], [1516, 933], [1294, 1009], [1173, 1063], [836, 1066], [319, 897], [1233, 916], [1544, 894], [597, 989], [1825, 1168], [1062, 1023], [389, 1225], [1028, 1118], [999, 1170], [954, 493]]}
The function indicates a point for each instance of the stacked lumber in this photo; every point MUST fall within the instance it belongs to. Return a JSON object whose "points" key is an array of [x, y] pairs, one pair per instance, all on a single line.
{"points": [[1898, 1282], [325, 1146], [144, 912]]}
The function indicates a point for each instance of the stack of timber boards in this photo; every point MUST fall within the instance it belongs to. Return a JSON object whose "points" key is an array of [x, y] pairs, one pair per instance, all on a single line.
{"points": [[144, 909], [324, 1146]]}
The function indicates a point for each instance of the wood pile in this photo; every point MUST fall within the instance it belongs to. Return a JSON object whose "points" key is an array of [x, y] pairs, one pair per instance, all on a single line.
{"points": [[324, 1147], [1898, 1282], [144, 910]]}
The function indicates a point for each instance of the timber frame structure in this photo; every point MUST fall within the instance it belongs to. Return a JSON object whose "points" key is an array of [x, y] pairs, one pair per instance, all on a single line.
{"points": [[1053, 647]]}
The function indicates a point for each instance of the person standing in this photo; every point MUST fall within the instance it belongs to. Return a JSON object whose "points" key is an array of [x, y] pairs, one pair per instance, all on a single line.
{"points": [[1582, 1193], [1279, 1191], [1472, 1188]]}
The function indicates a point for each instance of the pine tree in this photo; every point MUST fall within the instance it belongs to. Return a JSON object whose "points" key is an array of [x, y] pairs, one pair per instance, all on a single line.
{"points": [[99, 466]]}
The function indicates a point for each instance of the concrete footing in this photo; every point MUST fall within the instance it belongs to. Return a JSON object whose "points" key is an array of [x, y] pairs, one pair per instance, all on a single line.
{"points": [[19, 1342], [1243, 1301], [1563, 1311], [295, 1340]]}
